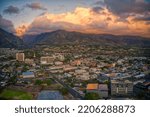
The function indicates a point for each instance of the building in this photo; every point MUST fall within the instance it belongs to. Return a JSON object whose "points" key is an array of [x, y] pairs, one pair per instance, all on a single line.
{"points": [[28, 74], [68, 68], [59, 56], [46, 60], [76, 62], [29, 61], [55, 69], [101, 89], [84, 76], [121, 87], [102, 78], [92, 87], [20, 57], [58, 63]]}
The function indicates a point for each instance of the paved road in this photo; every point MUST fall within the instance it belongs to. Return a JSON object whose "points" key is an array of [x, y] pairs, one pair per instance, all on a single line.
{"points": [[73, 92]]}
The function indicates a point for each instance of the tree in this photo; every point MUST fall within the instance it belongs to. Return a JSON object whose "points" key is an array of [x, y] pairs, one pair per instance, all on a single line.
{"points": [[48, 82], [38, 82], [63, 91], [91, 96], [13, 79], [107, 82]]}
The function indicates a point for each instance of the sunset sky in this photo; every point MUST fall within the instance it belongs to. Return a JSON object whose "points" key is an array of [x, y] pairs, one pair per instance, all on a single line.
{"points": [[121, 17]]}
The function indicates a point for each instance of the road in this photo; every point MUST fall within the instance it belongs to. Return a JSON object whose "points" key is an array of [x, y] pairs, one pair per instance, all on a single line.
{"points": [[73, 92]]}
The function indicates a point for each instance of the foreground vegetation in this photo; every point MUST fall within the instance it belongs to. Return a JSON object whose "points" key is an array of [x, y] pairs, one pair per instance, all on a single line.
{"points": [[11, 94]]}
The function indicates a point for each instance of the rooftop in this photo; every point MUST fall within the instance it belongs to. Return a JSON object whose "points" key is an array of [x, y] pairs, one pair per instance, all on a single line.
{"points": [[103, 87], [92, 86], [28, 73]]}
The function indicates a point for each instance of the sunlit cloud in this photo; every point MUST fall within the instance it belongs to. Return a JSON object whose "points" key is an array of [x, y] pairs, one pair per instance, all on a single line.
{"points": [[21, 30], [87, 20]]}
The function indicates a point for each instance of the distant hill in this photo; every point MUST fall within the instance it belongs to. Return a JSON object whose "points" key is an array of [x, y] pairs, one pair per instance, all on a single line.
{"points": [[8, 40], [65, 37], [28, 39]]}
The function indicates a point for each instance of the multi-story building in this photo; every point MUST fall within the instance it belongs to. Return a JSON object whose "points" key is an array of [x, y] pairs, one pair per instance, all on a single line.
{"points": [[121, 87], [20, 56], [47, 60]]}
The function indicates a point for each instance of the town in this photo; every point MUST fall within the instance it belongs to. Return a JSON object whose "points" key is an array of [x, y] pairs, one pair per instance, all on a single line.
{"points": [[75, 72]]}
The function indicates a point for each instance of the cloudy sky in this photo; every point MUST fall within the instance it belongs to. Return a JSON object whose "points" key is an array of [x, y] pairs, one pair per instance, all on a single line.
{"points": [[121, 17]]}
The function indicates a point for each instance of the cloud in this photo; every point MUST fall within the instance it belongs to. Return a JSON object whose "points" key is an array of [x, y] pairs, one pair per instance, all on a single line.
{"points": [[6, 25], [127, 7], [68, 21], [101, 2], [20, 31], [88, 21], [36, 6], [142, 18], [97, 9], [12, 10]]}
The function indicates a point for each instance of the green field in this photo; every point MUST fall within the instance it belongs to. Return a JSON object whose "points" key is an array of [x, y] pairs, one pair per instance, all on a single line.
{"points": [[15, 95]]}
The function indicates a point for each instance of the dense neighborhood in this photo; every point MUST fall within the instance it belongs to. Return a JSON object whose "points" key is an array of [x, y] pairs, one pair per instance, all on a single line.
{"points": [[75, 72]]}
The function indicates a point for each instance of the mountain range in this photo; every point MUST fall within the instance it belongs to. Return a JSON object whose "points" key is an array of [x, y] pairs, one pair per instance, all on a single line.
{"points": [[8, 40], [60, 37]]}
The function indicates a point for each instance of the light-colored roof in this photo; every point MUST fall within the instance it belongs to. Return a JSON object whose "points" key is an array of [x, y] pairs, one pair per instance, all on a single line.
{"points": [[103, 87], [28, 73], [92, 86]]}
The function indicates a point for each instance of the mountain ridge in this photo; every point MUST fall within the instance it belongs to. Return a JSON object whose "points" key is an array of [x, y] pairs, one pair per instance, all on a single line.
{"points": [[8, 40], [59, 37], [72, 37]]}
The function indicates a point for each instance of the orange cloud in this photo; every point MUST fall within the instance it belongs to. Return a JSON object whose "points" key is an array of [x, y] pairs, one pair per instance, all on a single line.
{"points": [[87, 21], [21, 30]]}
